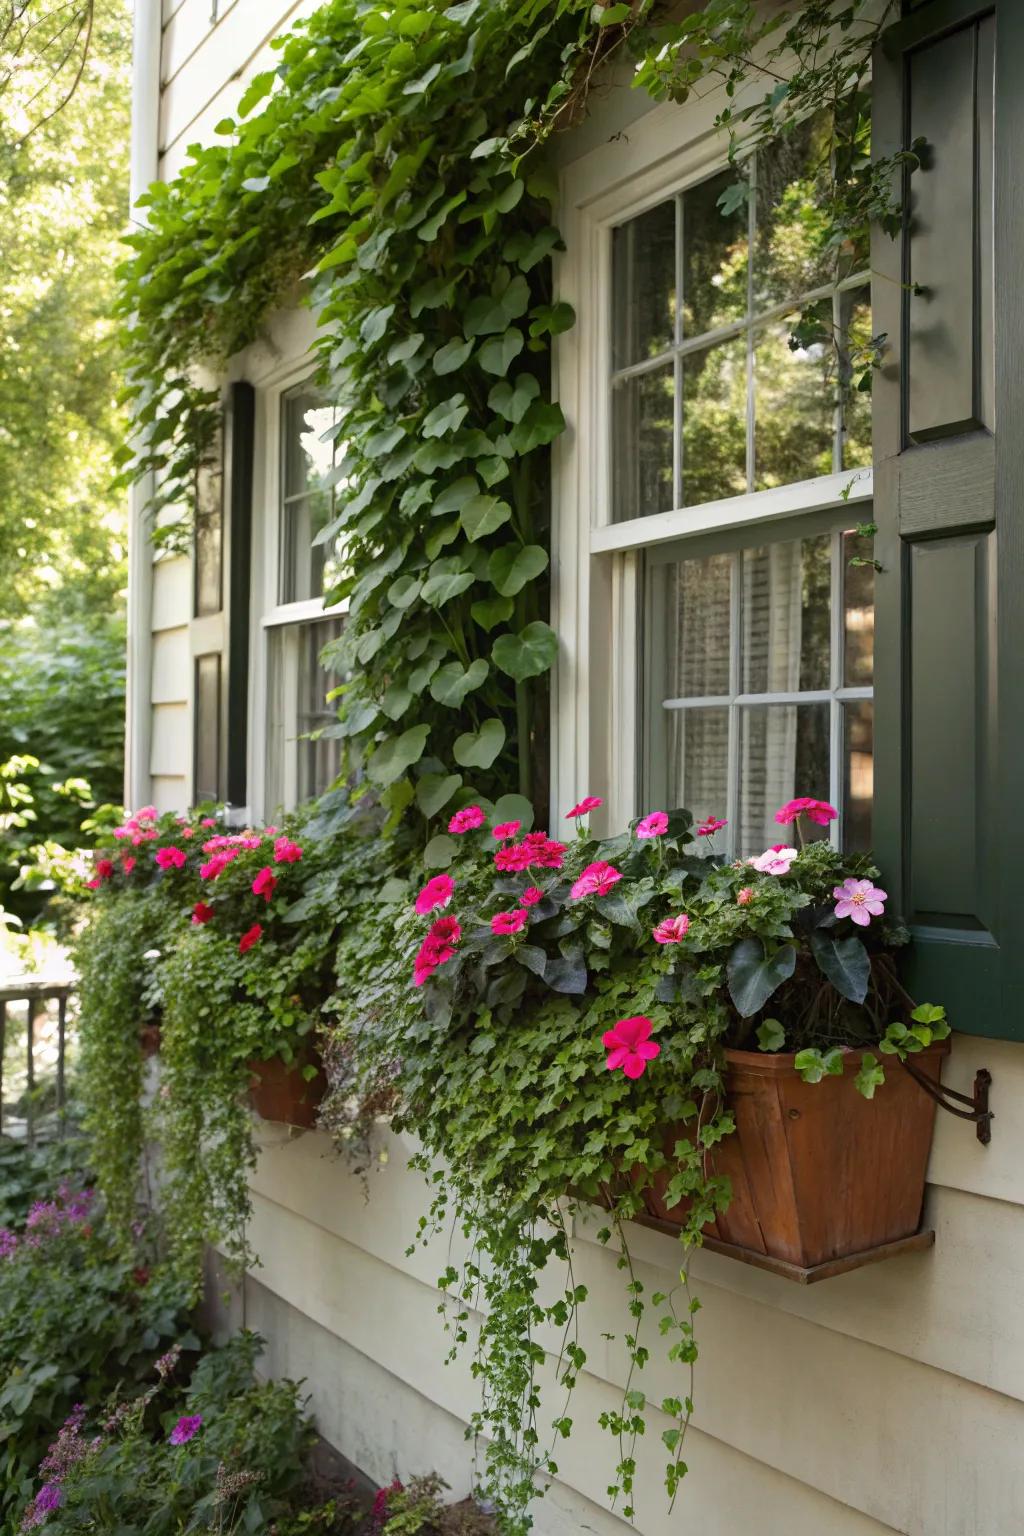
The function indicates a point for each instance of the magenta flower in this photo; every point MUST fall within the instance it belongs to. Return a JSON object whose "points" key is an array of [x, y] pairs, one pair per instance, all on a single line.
{"points": [[170, 858], [250, 937], [187, 1426], [265, 883], [711, 826], [285, 851], [436, 893], [654, 825], [672, 930], [775, 860], [104, 869], [629, 1046], [531, 896], [506, 829], [201, 913], [437, 948], [48, 1498], [588, 803], [208, 821], [815, 810], [859, 900], [503, 923], [128, 863], [467, 820], [596, 880]]}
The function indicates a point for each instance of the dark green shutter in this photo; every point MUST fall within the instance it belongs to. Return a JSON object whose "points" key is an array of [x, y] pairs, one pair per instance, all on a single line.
{"points": [[949, 479]]}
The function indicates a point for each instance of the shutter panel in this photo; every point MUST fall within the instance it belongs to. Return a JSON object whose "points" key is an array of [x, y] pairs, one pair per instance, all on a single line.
{"points": [[219, 631], [949, 481]]}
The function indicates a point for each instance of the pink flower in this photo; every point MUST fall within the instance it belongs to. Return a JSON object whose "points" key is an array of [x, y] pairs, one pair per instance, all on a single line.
{"points": [[506, 829], [217, 864], [285, 851], [543, 851], [94, 884], [148, 813], [629, 1046], [437, 948], [531, 896], [104, 869], [250, 937], [654, 825], [187, 1426], [745, 897], [815, 810], [711, 826], [859, 900], [265, 883], [208, 821], [775, 860], [672, 930], [188, 832], [201, 913], [588, 803], [596, 880], [512, 859], [467, 820], [436, 893], [128, 863], [170, 858], [508, 922]]}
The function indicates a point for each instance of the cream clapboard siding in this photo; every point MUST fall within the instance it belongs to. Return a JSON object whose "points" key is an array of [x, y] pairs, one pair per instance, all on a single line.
{"points": [[890, 1399]]}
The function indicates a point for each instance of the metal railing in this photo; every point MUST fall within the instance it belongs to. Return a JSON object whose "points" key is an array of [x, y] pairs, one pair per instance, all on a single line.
{"points": [[35, 994]]}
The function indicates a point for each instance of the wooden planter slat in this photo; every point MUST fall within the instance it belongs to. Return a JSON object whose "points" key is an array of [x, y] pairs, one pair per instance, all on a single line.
{"points": [[279, 1092]]}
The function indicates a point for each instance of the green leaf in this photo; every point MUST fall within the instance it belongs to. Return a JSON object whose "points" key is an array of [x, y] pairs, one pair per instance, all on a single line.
{"points": [[434, 791], [445, 586], [452, 355], [498, 355], [478, 749], [552, 320], [491, 611], [528, 654], [813, 1066], [612, 15], [431, 295], [542, 423], [375, 324], [446, 417], [753, 977], [481, 515], [259, 86], [512, 566], [770, 1035], [843, 962], [513, 808], [532, 957], [394, 756], [512, 399], [451, 683], [870, 1076], [404, 591], [402, 351], [484, 316], [440, 851]]}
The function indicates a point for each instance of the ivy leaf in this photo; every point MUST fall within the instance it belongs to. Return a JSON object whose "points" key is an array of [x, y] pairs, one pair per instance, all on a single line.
{"points": [[498, 355], [870, 1076], [431, 456], [452, 355], [440, 851], [753, 977], [512, 566], [542, 423], [481, 515], [452, 683], [526, 249], [434, 791], [813, 1066], [446, 417], [512, 400], [843, 962], [478, 749], [552, 320], [491, 611], [770, 1035], [394, 756], [431, 295], [454, 497], [484, 316], [527, 654], [403, 592]]}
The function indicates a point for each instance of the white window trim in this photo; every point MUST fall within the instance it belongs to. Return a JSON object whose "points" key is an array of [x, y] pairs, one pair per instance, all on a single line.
{"points": [[595, 606]]}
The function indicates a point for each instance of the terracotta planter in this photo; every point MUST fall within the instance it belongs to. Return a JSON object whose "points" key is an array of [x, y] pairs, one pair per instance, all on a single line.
{"points": [[279, 1091], [149, 1040], [818, 1172]]}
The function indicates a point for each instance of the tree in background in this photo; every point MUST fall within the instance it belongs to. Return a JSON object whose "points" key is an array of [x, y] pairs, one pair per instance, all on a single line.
{"points": [[64, 129]]}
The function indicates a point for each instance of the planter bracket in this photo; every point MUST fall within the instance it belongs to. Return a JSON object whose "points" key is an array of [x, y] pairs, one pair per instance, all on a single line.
{"points": [[977, 1110]]}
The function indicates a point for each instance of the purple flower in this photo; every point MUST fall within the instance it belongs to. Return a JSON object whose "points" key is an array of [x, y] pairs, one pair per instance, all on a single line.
{"points": [[859, 900], [187, 1426], [49, 1497], [8, 1242]]}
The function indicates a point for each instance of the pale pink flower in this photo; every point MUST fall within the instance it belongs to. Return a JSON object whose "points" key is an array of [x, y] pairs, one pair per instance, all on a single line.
{"points": [[671, 930], [815, 810], [507, 923], [775, 860], [859, 900], [629, 1046], [467, 820], [588, 803], [436, 893], [596, 880], [506, 829], [711, 826], [745, 897], [208, 821], [654, 825]]}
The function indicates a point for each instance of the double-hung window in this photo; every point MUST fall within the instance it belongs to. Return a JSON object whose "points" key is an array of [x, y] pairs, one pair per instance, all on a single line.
{"points": [[720, 576], [301, 759]]}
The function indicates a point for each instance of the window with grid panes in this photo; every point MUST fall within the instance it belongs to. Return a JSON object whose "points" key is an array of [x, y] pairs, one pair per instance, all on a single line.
{"points": [[758, 645]]}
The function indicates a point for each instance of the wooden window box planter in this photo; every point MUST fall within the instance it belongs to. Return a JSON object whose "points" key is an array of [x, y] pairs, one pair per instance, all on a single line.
{"points": [[278, 1090]]}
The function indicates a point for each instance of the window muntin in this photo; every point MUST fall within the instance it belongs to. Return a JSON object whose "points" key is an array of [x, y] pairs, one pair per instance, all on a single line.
{"points": [[708, 398], [310, 449], [759, 683], [301, 762]]}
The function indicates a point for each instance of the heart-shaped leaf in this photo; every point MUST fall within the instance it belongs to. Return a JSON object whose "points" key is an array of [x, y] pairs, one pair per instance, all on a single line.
{"points": [[542, 424], [446, 581], [446, 417], [478, 749], [753, 977], [440, 851], [498, 355], [452, 683], [454, 497], [402, 351], [533, 957], [481, 515], [491, 611], [527, 654], [512, 399], [434, 791], [394, 756], [513, 808], [512, 566], [770, 1035], [844, 962], [404, 591], [452, 355], [567, 973]]}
